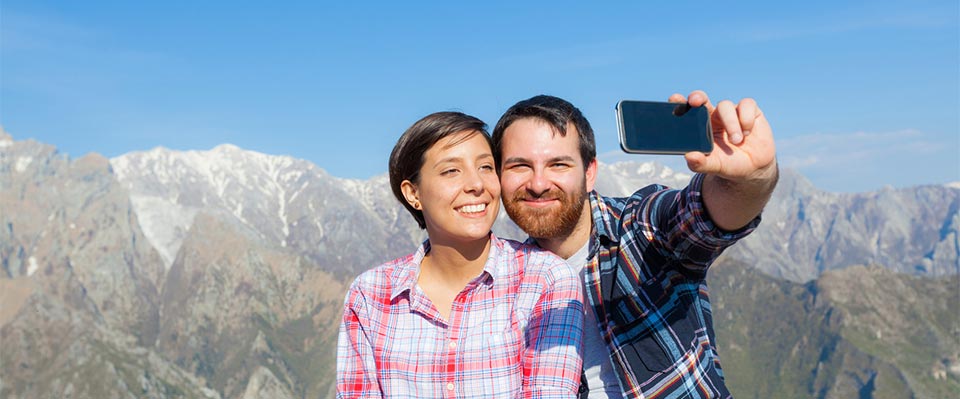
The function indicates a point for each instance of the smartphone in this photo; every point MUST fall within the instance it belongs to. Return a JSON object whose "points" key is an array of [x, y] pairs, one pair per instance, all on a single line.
{"points": [[648, 127]]}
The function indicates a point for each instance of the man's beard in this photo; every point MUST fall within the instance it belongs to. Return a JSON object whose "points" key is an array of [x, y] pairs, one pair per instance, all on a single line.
{"points": [[546, 223]]}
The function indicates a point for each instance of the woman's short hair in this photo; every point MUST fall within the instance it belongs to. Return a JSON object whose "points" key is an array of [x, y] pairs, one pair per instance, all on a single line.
{"points": [[410, 151]]}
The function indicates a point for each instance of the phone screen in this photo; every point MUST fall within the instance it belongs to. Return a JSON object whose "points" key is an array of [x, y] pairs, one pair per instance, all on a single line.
{"points": [[663, 128]]}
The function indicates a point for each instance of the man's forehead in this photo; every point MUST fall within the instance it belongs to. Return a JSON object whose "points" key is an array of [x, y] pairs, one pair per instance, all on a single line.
{"points": [[571, 129], [528, 141]]}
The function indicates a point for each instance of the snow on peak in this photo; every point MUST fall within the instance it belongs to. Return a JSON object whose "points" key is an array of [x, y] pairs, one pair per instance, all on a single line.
{"points": [[169, 187], [955, 184], [32, 266], [227, 147], [23, 163]]}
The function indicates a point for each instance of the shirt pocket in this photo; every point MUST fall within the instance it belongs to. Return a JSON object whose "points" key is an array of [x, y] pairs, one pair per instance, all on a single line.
{"points": [[504, 374], [659, 336]]}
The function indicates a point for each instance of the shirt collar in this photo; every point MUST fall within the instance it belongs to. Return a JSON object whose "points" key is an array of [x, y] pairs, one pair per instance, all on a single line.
{"points": [[408, 272], [603, 222]]}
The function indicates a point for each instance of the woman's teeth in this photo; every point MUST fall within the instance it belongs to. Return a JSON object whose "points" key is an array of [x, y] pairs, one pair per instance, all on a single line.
{"points": [[473, 208]]}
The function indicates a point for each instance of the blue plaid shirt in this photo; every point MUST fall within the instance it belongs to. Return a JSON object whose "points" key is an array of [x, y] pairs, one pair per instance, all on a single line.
{"points": [[649, 255]]}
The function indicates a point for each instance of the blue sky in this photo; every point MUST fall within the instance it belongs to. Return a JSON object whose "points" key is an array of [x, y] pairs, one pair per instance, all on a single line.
{"points": [[860, 94]]}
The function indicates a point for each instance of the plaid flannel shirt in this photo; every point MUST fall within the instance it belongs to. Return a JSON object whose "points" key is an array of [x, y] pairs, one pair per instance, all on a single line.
{"points": [[649, 255], [514, 331]]}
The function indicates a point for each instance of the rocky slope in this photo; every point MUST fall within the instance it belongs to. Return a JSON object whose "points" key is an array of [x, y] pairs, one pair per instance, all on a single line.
{"points": [[221, 273], [864, 332], [78, 285], [806, 231]]}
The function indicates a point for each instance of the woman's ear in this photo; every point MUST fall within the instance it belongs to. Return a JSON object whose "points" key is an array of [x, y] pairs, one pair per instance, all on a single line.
{"points": [[409, 191]]}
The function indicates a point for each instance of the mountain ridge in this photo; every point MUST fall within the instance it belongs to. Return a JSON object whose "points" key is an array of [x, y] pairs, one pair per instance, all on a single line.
{"points": [[248, 261]]}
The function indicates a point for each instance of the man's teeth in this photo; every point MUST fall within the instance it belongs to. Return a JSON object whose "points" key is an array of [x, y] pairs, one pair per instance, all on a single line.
{"points": [[473, 208]]}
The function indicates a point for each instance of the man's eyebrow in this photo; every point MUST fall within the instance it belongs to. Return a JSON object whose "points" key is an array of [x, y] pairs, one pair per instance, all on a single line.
{"points": [[562, 158], [515, 160]]}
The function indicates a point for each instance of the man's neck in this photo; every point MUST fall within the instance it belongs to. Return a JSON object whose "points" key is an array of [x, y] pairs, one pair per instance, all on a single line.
{"points": [[566, 246]]}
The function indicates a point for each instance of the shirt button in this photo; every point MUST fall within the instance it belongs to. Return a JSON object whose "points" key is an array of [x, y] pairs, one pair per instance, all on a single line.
{"points": [[449, 386], [453, 344]]}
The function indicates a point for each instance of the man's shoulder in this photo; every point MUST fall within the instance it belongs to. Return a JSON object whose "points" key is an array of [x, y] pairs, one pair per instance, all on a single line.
{"points": [[607, 207]]}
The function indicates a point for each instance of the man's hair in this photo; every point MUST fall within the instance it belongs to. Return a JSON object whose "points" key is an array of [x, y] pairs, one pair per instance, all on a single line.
{"points": [[410, 151], [556, 112]]}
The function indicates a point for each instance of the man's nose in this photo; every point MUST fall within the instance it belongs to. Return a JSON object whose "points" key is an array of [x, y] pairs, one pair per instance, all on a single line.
{"points": [[538, 184]]}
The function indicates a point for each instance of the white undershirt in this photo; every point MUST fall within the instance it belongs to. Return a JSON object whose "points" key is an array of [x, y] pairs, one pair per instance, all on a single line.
{"points": [[596, 357]]}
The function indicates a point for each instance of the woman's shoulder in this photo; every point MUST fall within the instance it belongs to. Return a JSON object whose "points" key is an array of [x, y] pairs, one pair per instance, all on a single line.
{"points": [[523, 250], [380, 279]]}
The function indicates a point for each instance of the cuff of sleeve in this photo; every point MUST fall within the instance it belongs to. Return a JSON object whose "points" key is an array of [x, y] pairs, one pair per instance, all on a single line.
{"points": [[704, 226]]}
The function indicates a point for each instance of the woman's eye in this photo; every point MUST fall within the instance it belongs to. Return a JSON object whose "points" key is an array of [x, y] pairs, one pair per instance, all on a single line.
{"points": [[447, 172], [486, 167]]}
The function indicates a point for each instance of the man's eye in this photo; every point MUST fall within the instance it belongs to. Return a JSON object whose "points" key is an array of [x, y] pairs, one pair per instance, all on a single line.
{"points": [[448, 172]]}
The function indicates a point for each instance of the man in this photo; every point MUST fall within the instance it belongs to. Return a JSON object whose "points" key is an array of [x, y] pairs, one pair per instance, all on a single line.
{"points": [[643, 259]]}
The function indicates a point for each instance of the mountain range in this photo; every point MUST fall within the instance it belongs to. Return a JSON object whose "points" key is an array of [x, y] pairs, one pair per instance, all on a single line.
{"points": [[221, 273]]}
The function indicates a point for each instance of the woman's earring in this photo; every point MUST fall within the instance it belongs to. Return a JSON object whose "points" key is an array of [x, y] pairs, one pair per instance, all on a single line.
{"points": [[416, 205]]}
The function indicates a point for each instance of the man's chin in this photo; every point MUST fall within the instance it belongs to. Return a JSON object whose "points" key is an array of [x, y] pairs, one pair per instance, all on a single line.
{"points": [[538, 223], [545, 222]]}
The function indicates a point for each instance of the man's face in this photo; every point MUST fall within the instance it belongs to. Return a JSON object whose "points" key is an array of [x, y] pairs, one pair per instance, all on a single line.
{"points": [[543, 178]]}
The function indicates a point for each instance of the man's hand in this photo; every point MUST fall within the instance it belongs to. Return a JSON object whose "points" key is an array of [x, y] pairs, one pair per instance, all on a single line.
{"points": [[743, 145], [742, 168]]}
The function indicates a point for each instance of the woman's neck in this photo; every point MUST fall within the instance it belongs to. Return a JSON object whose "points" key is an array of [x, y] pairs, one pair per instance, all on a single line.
{"points": [[447, 269], [455, 263]]}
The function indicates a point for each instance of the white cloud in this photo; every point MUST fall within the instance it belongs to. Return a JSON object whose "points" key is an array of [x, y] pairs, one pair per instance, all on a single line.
{"points": [[853, 161], [861, 161], [820, 150]]}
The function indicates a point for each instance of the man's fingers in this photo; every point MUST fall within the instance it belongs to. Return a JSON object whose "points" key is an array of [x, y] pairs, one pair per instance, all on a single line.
{"points": [[748, 112], [695, 161], [699, 98], [726, 114], [699, 162], [677, 98]]}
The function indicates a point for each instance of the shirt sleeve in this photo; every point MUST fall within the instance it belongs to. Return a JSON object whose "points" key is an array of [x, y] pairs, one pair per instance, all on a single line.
{"points": [[675, 223], [552, 360], [356, 367]]}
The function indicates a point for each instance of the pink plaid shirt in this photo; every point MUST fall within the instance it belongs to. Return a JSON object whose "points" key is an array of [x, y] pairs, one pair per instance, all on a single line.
{"points": [[514, 331]]}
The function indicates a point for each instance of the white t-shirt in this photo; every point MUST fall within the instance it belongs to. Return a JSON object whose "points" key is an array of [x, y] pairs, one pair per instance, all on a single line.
{"points": [[601, 378]]}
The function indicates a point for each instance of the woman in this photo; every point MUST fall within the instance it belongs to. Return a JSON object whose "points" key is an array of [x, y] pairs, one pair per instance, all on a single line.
{"points": [[467, 314]]}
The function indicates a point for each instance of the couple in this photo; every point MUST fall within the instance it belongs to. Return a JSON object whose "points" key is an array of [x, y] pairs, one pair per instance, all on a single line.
{"points": [[622, 312]]}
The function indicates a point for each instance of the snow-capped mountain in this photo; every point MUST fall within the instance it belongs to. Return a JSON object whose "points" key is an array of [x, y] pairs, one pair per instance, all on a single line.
{"points": [[221, 273], [293, 203], [289, 203], [806, 231]]}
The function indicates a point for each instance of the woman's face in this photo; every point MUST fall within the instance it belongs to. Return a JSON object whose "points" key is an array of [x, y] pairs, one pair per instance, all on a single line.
{"points": [[459, 191]]}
